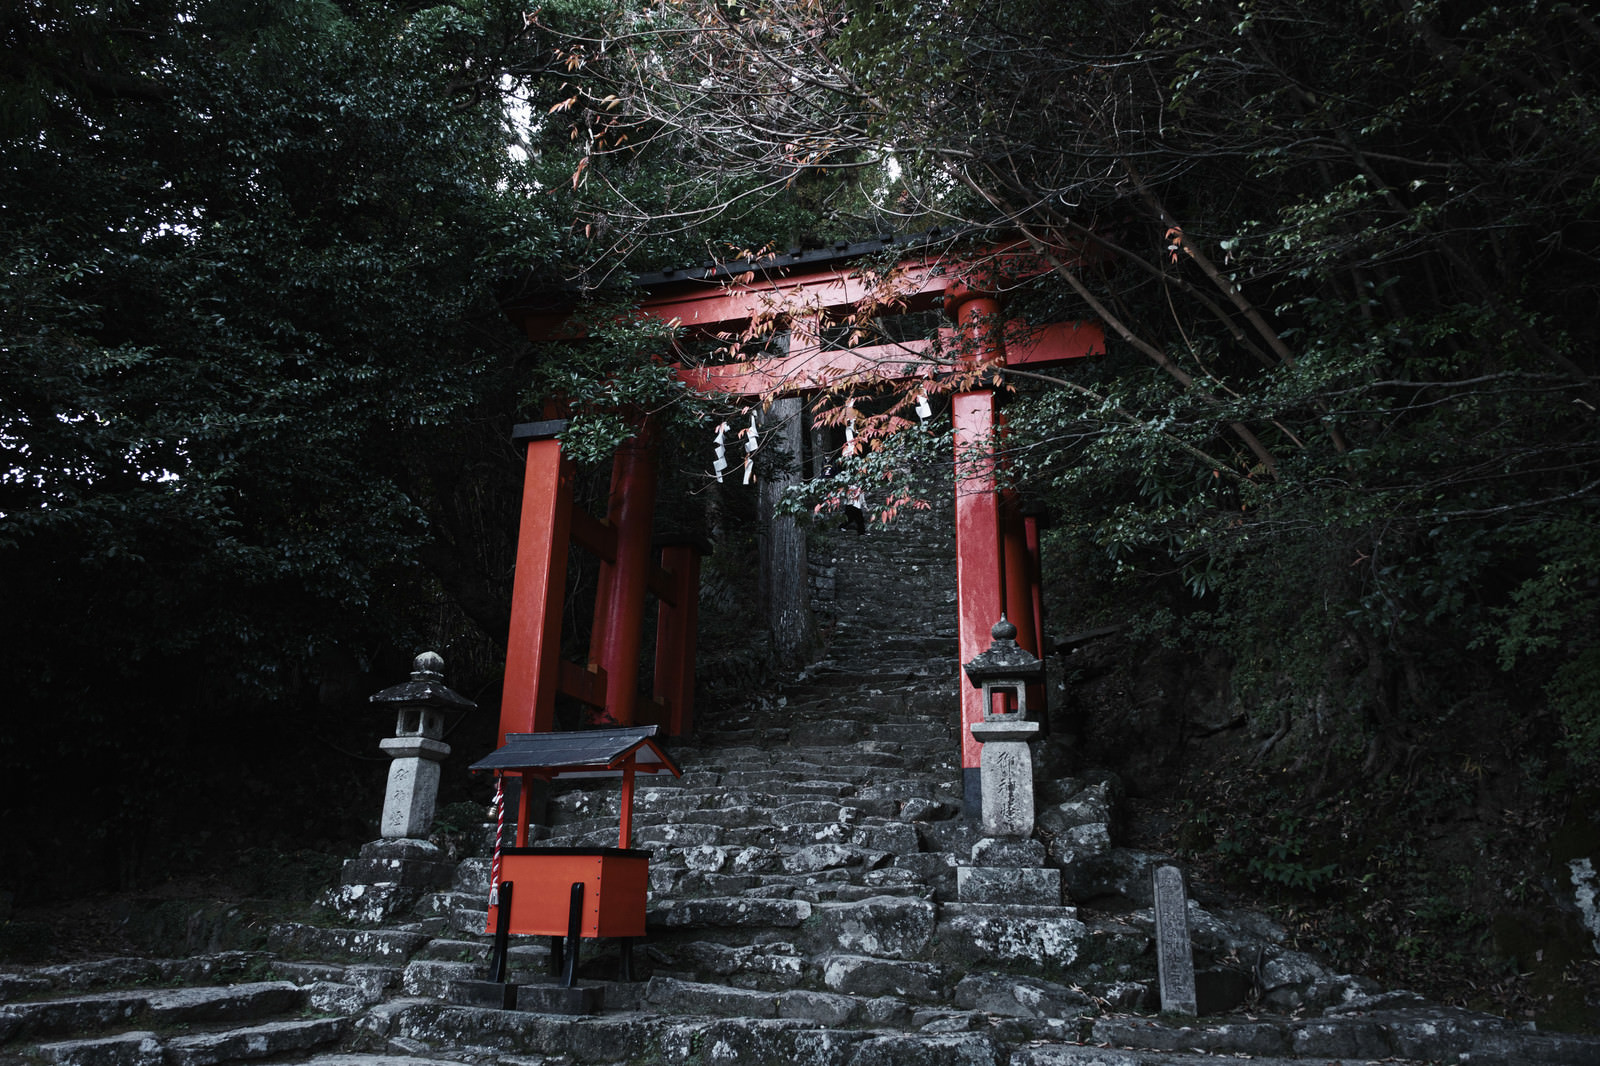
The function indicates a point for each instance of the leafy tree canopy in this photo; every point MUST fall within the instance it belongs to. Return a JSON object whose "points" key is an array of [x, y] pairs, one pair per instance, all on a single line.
{"points": [[1344, 254], [252, 373]]}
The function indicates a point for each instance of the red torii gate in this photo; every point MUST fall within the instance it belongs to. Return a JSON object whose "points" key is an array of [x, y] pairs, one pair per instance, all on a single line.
{"points": [[997, 547]]}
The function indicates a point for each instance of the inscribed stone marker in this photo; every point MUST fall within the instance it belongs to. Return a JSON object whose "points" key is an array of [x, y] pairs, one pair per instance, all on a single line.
{"points": [[1174, 959]]}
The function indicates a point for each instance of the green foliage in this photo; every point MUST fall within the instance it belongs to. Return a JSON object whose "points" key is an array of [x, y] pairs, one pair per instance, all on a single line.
{"points": [[895, 473], [1574, 692], [251, 363], [1336, 243], [604, 379], [1280, 848], [1345, 255]]}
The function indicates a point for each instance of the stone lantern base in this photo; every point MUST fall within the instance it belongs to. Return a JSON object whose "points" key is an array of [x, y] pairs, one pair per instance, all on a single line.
{"points": [[388, 877], [1008, 871]]}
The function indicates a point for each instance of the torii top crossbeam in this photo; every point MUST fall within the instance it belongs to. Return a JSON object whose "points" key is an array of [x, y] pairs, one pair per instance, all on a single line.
{"points": [[802, 291]]}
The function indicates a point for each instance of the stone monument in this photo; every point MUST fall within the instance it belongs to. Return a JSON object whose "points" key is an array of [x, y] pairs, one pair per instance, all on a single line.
{"points": [[1174, 955]]}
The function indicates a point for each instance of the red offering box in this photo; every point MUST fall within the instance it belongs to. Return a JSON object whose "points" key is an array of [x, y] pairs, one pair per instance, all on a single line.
{"points": [[614, 884]]}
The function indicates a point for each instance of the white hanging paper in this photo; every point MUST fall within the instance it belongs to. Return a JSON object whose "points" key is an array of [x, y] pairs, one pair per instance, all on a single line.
{"points": [[751, 443], [721, 462]]}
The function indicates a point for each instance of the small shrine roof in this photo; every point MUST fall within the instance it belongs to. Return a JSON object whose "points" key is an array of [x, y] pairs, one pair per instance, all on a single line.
{"points": [[582, 753]]}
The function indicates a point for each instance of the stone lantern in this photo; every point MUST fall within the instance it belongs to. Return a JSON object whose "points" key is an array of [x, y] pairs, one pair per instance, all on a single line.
{"points": [[1005, 670], [417, 747], [392, 873]]}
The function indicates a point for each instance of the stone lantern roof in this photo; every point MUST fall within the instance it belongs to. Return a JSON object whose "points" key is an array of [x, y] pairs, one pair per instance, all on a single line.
{"points": [[1004, 659], [425, 689]]}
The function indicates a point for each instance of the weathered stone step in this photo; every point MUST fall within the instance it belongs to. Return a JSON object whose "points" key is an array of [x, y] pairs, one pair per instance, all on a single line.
{"points": [[450, 949], [448, 904], [1418, 1032], [468, 921], [771, 964], [1042, 1009], [835, 1009], [867, 650], [794, 859], [352, 1058], [896, 836], [139, 1048], [865, 658], [780, 758], [433, 977], [861, 586], [800, 775], [269, 1040], [332, 988], [103, 1010], [1084, 1055], [668, 802], [884, 926], [295, 939], [830, 729], [688, 997], [691, 884], [843, 681], [845, 687], [825, 886], [675, 1039], [793, 769], [866, 638], [729, 913], [122, 970], [918, 753], [303, 973], [1050, 940], [807, 710]]}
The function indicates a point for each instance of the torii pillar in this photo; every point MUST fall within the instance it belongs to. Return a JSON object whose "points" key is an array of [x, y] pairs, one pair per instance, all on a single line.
{"points": [[607, 682]]}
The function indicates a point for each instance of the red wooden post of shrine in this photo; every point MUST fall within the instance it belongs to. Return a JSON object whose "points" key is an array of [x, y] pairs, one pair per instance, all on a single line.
{"points": [[1030, 536], [607, 682], [677, 589], [538, 589], [1021, 577], [1024, 599], [619, 601], [980, 597]]}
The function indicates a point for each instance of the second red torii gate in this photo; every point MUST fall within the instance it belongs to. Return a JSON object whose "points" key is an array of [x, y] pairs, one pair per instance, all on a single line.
{"points": [[997, 546]]}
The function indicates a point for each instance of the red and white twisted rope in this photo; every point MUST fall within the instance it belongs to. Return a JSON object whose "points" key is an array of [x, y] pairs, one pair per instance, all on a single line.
{"points": [[498, 809]]}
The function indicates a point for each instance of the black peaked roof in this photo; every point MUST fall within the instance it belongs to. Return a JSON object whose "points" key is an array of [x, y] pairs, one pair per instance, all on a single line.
{"points": [[582, 753]]}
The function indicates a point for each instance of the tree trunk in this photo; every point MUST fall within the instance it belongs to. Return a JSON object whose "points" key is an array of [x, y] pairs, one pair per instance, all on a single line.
{"points": [[783, 542]]}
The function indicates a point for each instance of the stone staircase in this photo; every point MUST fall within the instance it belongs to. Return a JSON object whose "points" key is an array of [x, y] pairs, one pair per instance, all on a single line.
{"points": [[806, 910]]}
